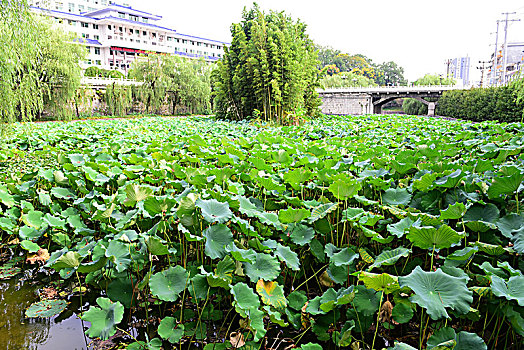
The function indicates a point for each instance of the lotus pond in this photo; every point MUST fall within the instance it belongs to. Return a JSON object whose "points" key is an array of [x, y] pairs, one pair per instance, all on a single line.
{"points": [[367, 232]]}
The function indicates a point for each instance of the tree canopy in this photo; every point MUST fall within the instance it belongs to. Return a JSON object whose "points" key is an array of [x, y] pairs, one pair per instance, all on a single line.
{"points": [[39, 64], [270, 68]]}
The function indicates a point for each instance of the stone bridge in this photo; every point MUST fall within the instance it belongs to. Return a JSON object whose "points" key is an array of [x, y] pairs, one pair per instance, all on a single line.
{"points": [[369, 100]]}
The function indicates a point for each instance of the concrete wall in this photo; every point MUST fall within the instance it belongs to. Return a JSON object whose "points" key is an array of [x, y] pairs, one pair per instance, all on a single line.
{"points": [[345, 104]]}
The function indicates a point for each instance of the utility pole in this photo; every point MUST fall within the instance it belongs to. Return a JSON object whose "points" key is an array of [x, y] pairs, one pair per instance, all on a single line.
{"points": [[494, 69], [447, 63], [482, 69], [506, 43]]}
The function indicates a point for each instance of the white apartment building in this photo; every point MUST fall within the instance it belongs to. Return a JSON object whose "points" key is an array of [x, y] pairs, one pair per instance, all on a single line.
{"points": [[115, 35]]}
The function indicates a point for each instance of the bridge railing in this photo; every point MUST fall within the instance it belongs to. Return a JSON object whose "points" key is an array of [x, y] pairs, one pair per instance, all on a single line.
{"points": [[394, 88], [109, 81]]}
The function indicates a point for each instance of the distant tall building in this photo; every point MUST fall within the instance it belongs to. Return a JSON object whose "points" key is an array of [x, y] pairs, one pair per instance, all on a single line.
{"points": [[459, 69], [72, 6], [514, 63]]}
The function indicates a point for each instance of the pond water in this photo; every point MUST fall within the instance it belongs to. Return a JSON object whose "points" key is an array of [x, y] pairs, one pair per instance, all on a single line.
{"points": [[63, 332]]}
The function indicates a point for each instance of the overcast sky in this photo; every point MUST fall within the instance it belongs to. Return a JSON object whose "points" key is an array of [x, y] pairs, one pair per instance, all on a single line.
{"points": [[418, 35]]}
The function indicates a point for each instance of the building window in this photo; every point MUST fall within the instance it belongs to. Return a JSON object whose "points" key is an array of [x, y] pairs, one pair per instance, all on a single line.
{"points": [[72, 23], [97, 37], [88, 48], [137, 40], [199, 44], [177, 40], [154, 35], [71, 7], [109, 27], [97, 51], [80, 8], [144, 20], [95, 26], [84, 25], [91, 9], [137, 32], [192, 43], [98, 62], [130, 31], [121, 15], [169, 38], [133, 18], [144, 33], [219, 47], [104, 2]]}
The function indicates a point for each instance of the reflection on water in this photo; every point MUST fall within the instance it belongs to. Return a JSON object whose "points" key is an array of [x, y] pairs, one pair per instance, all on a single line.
{"points": [[18, 332]]}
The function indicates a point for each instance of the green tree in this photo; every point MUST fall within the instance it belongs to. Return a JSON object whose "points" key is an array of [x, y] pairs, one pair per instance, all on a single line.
{"points": [[173, 80], [270, 67], [39, 65], [345, 79], [389, 73]]}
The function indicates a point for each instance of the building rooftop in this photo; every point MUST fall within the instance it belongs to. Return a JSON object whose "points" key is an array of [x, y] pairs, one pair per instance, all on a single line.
{"points": [[121, 8]]}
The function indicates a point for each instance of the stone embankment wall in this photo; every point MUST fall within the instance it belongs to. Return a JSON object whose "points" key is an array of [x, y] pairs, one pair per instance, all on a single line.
{"points": [[346, 104]]}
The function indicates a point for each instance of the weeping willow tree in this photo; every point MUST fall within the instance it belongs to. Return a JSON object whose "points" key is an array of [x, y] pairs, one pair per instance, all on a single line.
{"points": [[39, 65], [173, 81], [270, 68], [119, 99]]}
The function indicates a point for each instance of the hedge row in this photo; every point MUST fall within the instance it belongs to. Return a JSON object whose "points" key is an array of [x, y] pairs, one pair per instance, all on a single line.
{"points": [[479, 104]]}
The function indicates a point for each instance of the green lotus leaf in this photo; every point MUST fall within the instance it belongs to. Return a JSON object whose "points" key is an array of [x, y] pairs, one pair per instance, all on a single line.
{"points": [[310, 346], [46, 308], [247, 208], [292, 215], [427, 237], [436, 291], [243, 255], [366, 301], [77, 159], [118, 254], [453, 212], [505, 185], [297, 300], [488, 213], [301, 234], [223, 274], [33, 219], [265, 267], [53, 221], [136, 193], [344, 257], [286, 255], [364, 255], [31, 247], [67, 260], [214, 211], [245, 299], [157, 205], [270, 219], [352, 214], [518, 241], [62, 193], [198, 287], [186, 205], [5, 198], [512, 290], [272, 294], [344, 189], [321, 211], [168, 284], [155, 246], [490, 249], [217, 238], [297, 177], [402, 168], [390, 257], [463, 254], [379, 282], [510, 224], [401, 227], [402, 313], [121, 290], [270, 185], [104, 319], [426, 182], [282, 157], [170, 330], [446, 338], [396, 196]]}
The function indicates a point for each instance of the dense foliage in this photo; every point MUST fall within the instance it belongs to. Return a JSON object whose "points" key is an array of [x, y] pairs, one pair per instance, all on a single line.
{"points": [[94, 71], [478, 104], [173, 81], [39, 65], [384, 74], [269, 69], [345, 79], [346, 230]]}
